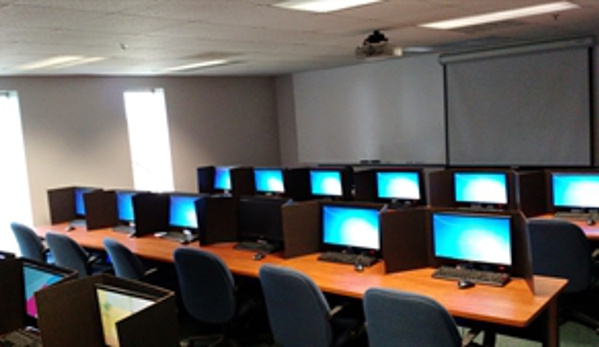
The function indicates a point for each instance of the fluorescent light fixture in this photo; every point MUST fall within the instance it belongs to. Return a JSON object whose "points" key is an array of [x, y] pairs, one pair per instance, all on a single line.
{"points": [[323, 6], [203, 64], [59, 62], [501, 15]]}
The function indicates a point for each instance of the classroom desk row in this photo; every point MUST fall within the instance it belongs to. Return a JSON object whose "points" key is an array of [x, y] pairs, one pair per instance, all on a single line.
{"points": [[512, 306]]}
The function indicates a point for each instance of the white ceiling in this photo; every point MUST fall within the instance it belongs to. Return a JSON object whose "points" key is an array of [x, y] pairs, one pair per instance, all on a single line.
{"points": [[142, 37]]}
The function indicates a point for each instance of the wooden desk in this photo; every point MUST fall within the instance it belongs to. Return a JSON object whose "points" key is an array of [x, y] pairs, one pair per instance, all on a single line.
{"points": [[591, 231], [513, 305]]}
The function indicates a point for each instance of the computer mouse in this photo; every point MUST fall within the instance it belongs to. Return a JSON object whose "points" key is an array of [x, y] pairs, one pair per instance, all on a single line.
{"points": [[184, 242], [259, 256], [590, 221], [463, 284], [359, 267], [69, 228]]}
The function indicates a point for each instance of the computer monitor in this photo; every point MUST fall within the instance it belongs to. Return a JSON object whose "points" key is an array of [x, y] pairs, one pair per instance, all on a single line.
{"points": [[352, 228], [182, 212], [269, 181], [575, 191], [222, 179], [260, 219], [477, 239], [326, 183], [80, 201], [481, 188], [116, 304], [38, 276], [399, 186], [124, 205]]}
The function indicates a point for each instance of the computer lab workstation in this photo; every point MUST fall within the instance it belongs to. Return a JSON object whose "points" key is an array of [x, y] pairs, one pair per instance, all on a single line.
{"points": [[458, 235]]}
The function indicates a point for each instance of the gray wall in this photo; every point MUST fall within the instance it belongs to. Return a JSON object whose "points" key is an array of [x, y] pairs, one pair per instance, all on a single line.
{"points": [[75, 128]]}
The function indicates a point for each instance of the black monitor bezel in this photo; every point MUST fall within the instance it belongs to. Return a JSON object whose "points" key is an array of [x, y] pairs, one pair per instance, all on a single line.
{"points": [[216, 189], [270, 193], [551, 195], [474, 264], [485, 205], [404, 202], [346, 174], [273, 233], [173, 227], [324, 246]]}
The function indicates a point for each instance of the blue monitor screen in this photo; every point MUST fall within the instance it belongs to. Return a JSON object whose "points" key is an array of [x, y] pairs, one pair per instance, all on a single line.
{"points": [[182, 212], [473, 238], [37, 278], [269, 180], [481, 187], [222, 178], [124, 205], [326, 183], [398, 185], [575, 190], [80, 201], [350, 226]]}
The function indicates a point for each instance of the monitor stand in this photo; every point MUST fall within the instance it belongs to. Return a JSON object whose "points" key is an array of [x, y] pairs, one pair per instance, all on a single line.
{"points": [[262, 246]]}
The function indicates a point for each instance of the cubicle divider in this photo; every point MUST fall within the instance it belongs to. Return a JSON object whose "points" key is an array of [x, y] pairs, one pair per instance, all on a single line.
{"points": [[205, 178], [151, 213], [440, 188], [101, 210], [532, 187], [242, 181], [61, 202], [301, 228], [69, 315], [219, 223]]}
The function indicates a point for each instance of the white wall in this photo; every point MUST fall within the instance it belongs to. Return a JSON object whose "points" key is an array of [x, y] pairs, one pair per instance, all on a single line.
{"points": [[75, 128]]}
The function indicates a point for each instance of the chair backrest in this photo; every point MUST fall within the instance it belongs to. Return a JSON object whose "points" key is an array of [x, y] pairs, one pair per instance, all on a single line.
{"points": [[126, 264], [30, 244], [206, 284], [560, 249], [67, 253], [297, 310], [396, 318]]}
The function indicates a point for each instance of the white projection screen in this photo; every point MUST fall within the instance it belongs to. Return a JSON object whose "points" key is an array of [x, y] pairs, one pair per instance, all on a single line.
{"points": [[526, 106]]}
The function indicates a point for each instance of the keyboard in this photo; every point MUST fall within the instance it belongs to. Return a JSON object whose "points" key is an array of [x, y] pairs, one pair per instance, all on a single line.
{"points": [[493, 278], [177, 236], [575, 216], [20, 338], [347, 258], [263, 247]]}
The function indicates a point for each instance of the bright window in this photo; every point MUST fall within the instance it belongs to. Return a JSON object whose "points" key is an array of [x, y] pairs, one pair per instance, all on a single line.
{"points": [[149, 140], [15, 204]]}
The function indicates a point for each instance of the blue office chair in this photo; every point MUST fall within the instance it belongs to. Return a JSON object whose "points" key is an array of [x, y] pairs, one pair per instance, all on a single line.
{"points": [[67, 253], [126, 264], [30, 244], [560, 249], [395, 318], [207, 291], [299, 313]]}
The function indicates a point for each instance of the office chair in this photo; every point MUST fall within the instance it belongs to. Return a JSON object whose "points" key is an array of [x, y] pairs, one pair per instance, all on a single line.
{"points": [[67, 253], [299, 313], [126, 264], [30, 244], [560, 249], [207, 291], [395, 318]]}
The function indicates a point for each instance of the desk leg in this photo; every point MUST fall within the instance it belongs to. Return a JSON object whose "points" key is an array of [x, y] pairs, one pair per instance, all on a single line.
{"points": [[551, 333]]}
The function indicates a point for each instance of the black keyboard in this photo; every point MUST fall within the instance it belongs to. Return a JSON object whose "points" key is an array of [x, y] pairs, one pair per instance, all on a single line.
{"points": [[347, 258], [20, 338], [575, 216], [263, 247], [493, 278]]}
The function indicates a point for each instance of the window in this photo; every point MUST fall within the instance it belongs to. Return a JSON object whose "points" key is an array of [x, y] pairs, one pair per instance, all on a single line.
{"points": [[15, 204], [149, 140]]}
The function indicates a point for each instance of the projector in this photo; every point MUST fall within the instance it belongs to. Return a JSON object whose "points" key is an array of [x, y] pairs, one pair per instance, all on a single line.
{"points": [[376, 45]]}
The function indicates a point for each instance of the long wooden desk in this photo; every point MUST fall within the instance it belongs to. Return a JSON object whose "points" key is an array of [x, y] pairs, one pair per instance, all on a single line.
{"points": [[591, 231], [513, 306]]}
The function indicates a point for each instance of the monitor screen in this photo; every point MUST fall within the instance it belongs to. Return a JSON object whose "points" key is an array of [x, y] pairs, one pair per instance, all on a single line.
{"points": [[261, 218], [37, 277], [326, 183], [481, 187], [80, 201], [222, 178], [575, 190], [398, 185], [481, 238], [116, 304], [351, 227], [270, 181], [124, 205], [182, 211]]}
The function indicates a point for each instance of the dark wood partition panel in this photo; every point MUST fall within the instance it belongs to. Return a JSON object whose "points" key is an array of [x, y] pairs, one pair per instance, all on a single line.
{"points": [[219, 220], [301, 228], [405, 239], [532, 192], [205, 177], [61, 202], [12, 295], [101, 210], [242, 181], [440, 188], [151, 213]]}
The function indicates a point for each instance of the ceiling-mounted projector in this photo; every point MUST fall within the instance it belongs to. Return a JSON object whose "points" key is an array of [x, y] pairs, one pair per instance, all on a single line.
{"points": [[376, 45]]}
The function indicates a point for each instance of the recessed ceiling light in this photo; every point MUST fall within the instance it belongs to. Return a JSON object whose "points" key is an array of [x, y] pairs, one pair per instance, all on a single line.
{"points": [[501, 15], [323, 6], [59, 62], [203, 64]]}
